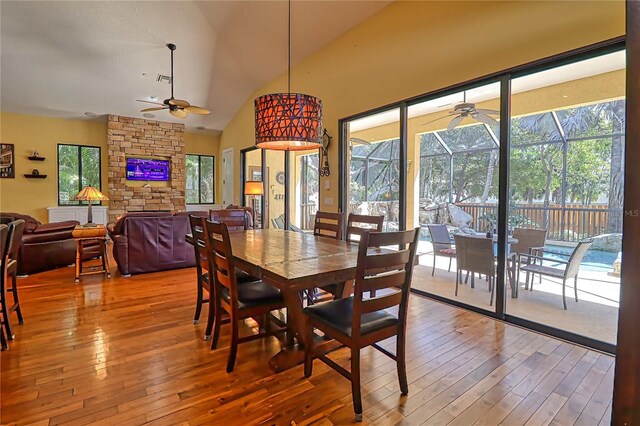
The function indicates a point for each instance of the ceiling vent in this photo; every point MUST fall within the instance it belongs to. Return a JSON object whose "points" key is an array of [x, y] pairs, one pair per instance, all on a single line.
{"points": [[163, 79]]}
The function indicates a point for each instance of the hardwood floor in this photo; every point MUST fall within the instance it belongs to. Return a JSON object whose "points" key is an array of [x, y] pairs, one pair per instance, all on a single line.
{"points": [[125, 352]]}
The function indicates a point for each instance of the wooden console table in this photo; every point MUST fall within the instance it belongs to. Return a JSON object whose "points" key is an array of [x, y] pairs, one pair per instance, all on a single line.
{"points": [[84, 234]]}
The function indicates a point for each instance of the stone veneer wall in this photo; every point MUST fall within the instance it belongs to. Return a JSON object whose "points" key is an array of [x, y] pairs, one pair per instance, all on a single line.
{"points": [[136, 137]]}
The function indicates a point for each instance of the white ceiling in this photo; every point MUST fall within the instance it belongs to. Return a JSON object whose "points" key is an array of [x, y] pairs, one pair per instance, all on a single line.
{"points": [[63, 59]]}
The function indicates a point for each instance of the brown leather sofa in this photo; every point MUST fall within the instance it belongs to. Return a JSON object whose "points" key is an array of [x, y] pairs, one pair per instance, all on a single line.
{"points": [[152, 241], [44, 246]]}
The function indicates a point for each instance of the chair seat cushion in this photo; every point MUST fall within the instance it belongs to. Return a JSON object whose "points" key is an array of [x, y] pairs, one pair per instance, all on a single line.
{"points": [[338, 313], [243, 277], [448, 252], [544, 270], [255, 293]]}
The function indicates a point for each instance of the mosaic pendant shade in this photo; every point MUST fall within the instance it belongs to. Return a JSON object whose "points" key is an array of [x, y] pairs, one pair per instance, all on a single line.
{"points": [[288, 122]]}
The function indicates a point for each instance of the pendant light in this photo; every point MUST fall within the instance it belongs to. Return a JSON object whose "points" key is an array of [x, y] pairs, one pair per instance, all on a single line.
{"points": [[288, 121]]}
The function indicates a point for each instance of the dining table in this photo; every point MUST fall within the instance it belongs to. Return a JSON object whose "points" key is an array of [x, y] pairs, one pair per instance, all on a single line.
{"points": [[294, 262]]}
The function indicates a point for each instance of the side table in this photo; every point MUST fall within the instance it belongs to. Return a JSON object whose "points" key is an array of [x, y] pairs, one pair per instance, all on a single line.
{"points": [[86, 235]]}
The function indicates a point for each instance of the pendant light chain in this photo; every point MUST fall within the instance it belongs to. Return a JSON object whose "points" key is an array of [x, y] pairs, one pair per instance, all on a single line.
{"points": [[289, 53]]}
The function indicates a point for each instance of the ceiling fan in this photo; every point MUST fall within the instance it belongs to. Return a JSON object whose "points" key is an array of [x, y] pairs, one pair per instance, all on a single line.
{"points": [[177, 107], [468, 109]]}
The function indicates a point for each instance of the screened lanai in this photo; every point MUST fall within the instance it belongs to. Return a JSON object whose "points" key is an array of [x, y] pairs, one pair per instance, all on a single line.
{"points": [[566, 146]]}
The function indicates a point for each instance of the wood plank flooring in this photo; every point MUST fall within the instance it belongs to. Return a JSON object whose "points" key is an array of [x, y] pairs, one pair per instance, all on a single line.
{"points": [[125, 352]]}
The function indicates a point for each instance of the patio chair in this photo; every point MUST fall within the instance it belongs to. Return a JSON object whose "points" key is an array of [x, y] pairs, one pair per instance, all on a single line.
{"points": [[530, 241], [441, 244], [569, 271], [475, 255]]}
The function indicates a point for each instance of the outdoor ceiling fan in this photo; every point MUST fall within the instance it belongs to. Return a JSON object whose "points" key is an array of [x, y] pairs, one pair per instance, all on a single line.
{"points": [[177, 107], [468, 109]]}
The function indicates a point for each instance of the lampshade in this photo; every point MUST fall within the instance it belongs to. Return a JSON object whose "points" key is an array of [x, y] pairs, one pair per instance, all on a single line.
{"points": [[288, 122], [253, 187], [91, 193]]}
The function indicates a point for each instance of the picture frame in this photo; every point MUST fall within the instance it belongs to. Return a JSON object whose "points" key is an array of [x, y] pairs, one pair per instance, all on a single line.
{"points": [[7, 161]]}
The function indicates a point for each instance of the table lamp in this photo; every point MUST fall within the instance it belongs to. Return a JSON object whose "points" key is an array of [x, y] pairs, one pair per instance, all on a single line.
{"points": [[253, 188], [90, 194]]}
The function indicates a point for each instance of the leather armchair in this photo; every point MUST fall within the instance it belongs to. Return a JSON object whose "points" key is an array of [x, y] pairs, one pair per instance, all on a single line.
{"points": [[44, 246]]}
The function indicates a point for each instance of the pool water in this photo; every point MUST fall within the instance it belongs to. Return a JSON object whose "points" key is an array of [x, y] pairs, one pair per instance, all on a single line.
{"points": [[594, 260]]}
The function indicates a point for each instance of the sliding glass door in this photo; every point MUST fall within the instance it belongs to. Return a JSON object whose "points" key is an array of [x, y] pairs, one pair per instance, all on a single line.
{"points": [[453, 141], [516, 183], [566, 195], [373, 171]]}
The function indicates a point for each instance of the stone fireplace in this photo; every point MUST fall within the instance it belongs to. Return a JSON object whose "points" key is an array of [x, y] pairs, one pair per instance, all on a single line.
{"points": [[136, 137]]}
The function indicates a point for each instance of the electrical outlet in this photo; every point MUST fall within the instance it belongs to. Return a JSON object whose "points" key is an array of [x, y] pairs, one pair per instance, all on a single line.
{"points": [[327, 184], [328, 201]]}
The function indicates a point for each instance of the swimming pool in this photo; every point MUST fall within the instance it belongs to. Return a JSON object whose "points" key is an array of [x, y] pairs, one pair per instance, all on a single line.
{"points": [[594, 260]]}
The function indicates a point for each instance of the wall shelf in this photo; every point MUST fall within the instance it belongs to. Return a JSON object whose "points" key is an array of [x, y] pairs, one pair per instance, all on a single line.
{"points": [[32, 158], [31, 176]]}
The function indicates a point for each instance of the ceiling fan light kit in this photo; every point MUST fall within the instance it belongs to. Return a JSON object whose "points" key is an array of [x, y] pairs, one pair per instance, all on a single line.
{"points": [[288, 121], [177, 107]]}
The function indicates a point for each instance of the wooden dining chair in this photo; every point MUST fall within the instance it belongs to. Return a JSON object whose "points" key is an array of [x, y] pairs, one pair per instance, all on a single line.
{"points": [[475, 255], [10, 270], [4, 245], [357, 224], [328, 225], [202, 269], [357, 322], [235, 219], [238, 300]]}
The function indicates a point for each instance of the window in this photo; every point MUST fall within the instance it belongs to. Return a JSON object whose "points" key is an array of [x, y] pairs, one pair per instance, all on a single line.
{"points": [[78, 166], [200, 182]]}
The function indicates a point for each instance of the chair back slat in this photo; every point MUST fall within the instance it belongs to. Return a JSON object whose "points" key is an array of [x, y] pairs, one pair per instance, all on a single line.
{"points": [[219, 250], [4, 241], [381, 302], [15, 240], [384, 280], [380, 269], [440, 238], [376, 263], [357, 224], [328, 225], [475, 254], [235, 219], [576, 258], [199, 241]]}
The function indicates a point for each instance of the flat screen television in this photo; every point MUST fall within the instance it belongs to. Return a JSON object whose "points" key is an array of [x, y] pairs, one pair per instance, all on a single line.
{"points": [[147, 169]]}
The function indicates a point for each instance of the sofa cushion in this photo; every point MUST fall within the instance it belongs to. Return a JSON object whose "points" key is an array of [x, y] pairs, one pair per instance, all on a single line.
{"points": [[30, 223]]}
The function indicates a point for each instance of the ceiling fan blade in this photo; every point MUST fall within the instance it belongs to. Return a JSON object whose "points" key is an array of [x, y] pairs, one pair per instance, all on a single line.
{"points": [[457, 120], [149, 102], [197, 110], [484, 118], [488, 111], [178, 113], [432, 121], [358, 141], [153, 109], [179, 102]]}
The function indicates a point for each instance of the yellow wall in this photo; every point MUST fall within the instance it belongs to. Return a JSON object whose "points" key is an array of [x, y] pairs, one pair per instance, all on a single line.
{"points": [[410, 48], [29, 133]]}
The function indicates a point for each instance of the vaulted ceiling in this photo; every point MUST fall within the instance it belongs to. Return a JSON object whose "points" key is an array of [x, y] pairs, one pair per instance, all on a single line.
{"points": [[64, 59]]}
